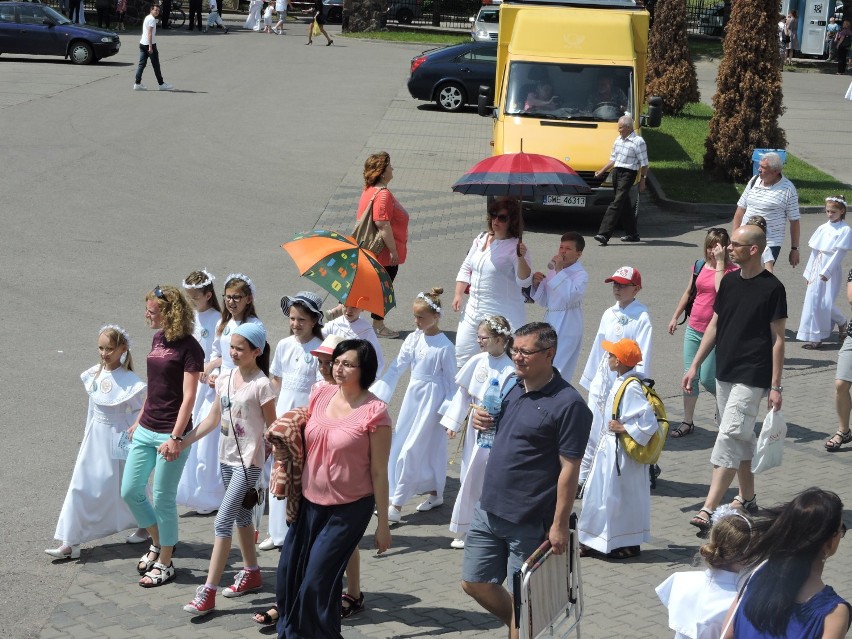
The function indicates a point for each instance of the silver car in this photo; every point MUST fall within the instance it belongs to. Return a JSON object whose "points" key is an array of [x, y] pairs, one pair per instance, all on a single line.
{"points": [[485, 25]]}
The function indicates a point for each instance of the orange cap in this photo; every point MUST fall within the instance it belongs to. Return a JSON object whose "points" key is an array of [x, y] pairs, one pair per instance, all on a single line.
{"points": [[626, 350]]}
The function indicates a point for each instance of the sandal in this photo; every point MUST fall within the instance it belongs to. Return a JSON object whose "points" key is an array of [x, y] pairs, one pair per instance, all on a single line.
{"points": [[684, 429], [748, 505], [654, 471], [587, 551], [267, 617], [702, 523], [145, 564], [387, 333], [627, 552], [355, 605], [811, 346], [832, 445], [164, 575]]}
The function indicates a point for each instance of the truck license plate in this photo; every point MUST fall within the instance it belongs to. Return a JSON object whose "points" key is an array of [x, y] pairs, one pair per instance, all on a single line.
{"points": [[565, 200]]}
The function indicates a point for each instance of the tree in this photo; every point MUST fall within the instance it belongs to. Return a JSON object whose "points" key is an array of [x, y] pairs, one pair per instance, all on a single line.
{"points": [[368, 15], [749, 96], [671, 72]]}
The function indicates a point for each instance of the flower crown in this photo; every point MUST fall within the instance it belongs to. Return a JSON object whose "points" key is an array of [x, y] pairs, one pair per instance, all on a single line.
{"points": [[117, 329], [834, 198], [728, 511], [244, 278], [422, 296], [494, 327], [206, 282]]}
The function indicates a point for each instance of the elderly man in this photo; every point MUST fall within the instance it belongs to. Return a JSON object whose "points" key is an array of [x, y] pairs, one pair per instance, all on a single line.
{"points": [[629, 156], [773, 197], [531, 477], [747, 330]]}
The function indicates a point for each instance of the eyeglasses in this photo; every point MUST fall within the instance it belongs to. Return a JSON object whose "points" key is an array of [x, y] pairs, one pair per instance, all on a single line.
{"points": [[522, 352], [344, 364], [619, 285], [483, 338], [158, 293], [738, 245], [499, 217], [233, 298]]}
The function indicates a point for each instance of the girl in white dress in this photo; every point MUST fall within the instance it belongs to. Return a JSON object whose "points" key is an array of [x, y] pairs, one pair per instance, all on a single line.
{"points": [[698, 601], [351, 326], [473, 380], [201, 486], [293, 371], [824, 274], [418, 457], [93, 506]]}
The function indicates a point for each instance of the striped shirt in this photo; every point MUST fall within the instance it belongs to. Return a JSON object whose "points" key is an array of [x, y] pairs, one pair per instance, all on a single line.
{"points": [[776, 204], [630, 152]]}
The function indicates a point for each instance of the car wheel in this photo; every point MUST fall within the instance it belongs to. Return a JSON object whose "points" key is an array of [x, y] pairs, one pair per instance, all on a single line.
{"points": [[335, 15], [404, 16], [81, 53], [450, 96]]}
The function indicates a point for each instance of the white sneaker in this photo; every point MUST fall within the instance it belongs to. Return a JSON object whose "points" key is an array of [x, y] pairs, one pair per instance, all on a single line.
{"points": [[394, 516], [137, 537], [457, 543], [64, 552], [140, 87], [267, 544], [165, 86], [203, 511], [433, 501]]}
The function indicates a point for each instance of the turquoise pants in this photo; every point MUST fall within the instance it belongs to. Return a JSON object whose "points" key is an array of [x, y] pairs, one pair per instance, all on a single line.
{"points": [[707, 372]]}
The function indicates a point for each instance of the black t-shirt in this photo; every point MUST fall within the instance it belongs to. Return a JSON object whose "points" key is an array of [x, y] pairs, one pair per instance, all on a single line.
{"points": [[534, 429], [745, 309]]}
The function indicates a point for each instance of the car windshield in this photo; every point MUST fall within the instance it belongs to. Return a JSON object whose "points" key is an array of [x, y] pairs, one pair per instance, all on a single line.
{"points": [[54, 15], [569, 91], [489, 16]]}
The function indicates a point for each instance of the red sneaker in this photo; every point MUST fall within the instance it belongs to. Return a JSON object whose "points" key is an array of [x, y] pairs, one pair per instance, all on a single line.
{"points": [[204, 602], [246, 581]]}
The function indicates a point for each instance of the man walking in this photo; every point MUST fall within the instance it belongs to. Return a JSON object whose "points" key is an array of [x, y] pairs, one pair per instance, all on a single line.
{"points": [[629, 156], [148, 49], [747, 330], [531, 477]]}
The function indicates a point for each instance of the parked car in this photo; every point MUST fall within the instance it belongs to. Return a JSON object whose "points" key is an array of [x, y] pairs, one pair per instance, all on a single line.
{"points": [[451, 75], [36, 29], [712, 21], [404, 11], [332, 10], [485, 24]]}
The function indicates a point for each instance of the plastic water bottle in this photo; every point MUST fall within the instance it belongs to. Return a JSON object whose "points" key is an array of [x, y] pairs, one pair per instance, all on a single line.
{"points": [[551, 265], [492, 402]]}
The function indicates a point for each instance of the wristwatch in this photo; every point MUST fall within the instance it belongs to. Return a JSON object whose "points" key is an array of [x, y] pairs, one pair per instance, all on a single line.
{"points": [[779, 389], [176, 438]]}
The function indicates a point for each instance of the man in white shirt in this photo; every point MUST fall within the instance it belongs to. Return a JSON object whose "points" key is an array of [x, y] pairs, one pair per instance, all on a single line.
{"points": [[148, 49]]}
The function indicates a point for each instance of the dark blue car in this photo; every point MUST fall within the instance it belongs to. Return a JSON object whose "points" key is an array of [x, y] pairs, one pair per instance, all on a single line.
{"points": [[451, 76], [36, 29]]}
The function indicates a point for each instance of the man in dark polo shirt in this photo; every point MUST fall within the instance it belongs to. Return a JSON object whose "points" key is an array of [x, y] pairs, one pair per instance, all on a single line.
{"points": [[531, 477]]}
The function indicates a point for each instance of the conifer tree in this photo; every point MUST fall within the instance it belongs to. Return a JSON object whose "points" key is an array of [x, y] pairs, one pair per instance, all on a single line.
{"points": [[671, 72]]}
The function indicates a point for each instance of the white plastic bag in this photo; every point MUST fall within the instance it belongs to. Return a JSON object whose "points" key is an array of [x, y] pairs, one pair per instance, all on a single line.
{"points": [[770, 442]]}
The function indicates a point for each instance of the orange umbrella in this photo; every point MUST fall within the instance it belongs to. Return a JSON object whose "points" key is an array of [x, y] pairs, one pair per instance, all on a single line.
{"points": [[336, 263]]}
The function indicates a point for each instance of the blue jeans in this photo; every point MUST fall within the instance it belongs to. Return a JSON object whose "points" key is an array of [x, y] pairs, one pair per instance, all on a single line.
{"points": [[143, 60], [707, 371], [142, 460]]}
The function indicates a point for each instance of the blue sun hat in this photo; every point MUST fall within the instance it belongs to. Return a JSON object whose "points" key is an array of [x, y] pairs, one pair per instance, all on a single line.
{"points": [[310, 300], [255, 334]]}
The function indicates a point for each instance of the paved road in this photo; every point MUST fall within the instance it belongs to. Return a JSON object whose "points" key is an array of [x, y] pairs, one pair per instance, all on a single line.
{"points": [[108, 192]]}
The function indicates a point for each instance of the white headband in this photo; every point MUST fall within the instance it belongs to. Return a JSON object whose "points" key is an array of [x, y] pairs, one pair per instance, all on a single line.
{"points": [[430, 303], [244, 278], [839, 200], [118, 329], [496, 328], [728, 511], [207, 282]]}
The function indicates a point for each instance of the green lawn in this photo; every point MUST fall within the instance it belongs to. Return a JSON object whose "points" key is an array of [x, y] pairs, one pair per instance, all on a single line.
{"points": [[414, 36], [677, 152]]}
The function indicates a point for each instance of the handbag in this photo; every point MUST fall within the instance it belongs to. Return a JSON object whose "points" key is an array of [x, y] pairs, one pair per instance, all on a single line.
{"points": [[366, 233], [770, 443], [693, 290], [255, 494]]}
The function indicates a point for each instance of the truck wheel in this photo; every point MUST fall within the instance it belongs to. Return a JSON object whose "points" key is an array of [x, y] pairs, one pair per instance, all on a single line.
{"points": [[450, 96], [404, 16]]}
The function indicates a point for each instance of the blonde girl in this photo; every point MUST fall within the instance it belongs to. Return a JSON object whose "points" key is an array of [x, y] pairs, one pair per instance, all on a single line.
{"points": [[472, 380], [93, 507], [418, 457], [200, 485]]}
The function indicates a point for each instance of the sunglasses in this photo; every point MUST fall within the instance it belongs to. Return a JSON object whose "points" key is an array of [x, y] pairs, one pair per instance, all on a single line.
{"points": [[158, 293], [502, 217]]}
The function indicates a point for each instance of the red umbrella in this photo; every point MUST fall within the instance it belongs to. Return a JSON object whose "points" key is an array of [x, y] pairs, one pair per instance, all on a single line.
{"points": [[521, 175]]}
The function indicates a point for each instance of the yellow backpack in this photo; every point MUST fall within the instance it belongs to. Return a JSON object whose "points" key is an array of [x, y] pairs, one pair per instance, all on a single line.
{"points": [[650, 453]]}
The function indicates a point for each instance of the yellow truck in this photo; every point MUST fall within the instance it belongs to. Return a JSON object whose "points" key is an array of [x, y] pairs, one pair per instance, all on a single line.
{"points": [[566, 71]]}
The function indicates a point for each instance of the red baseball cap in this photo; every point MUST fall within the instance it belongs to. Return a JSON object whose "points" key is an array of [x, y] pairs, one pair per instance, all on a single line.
{"points": [[625, 275]]}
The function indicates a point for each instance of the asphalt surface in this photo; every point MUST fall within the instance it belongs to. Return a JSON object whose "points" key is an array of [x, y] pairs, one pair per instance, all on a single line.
{"points": [[108, 192]]}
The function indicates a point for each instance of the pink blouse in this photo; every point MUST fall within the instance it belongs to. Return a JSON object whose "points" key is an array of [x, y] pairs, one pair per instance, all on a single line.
{"points": [[337, 458], [702, 309]]}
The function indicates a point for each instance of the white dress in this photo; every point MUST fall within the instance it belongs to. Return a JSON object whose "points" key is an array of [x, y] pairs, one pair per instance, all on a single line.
{"points": [[698, 601], [472, 380], [829, 244], [359, 329], [298, 371], [201, 486], [253, 19], [562, 295], [222, 342], [495, 289], [93, 506], [632, 322], [617, 498], [418, 457]]}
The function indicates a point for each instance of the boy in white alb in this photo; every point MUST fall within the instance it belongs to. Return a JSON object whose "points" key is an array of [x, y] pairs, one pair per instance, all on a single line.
{"points": [[561, 292], [148, 49], [351, 326], [214, 19]]}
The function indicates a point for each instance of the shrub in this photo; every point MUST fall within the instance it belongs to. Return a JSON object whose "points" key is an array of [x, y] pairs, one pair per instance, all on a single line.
{"points": [[671, 72]]}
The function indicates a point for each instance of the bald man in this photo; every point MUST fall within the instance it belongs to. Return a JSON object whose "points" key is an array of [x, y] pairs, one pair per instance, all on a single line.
{"points": [[747, 330]]}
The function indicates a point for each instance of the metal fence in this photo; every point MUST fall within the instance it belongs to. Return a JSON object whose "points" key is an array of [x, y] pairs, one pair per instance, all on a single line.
{"points": [[453, 14], [707, 17]]}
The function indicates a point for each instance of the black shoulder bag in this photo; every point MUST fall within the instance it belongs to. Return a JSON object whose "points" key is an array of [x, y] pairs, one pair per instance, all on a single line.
{"points": [[693, 290]]}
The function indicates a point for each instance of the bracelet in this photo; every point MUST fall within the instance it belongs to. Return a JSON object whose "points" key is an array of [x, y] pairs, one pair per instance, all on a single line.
{"points": [[176, 438], [778, 389]]}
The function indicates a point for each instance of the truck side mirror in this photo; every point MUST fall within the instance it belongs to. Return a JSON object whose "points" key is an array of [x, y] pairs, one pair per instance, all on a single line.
{"points": [[484, 105], [655, 112]]}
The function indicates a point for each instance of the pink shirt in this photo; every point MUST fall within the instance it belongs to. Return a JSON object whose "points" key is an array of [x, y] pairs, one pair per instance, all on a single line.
{"points": [[702, 309], [337, 461]]}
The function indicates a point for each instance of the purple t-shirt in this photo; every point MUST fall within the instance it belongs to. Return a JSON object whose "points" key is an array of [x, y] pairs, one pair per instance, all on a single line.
{"points": [[167, 362]]}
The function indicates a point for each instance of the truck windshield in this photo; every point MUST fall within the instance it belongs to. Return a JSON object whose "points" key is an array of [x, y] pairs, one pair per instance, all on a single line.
{"points": [[569, 91]]}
